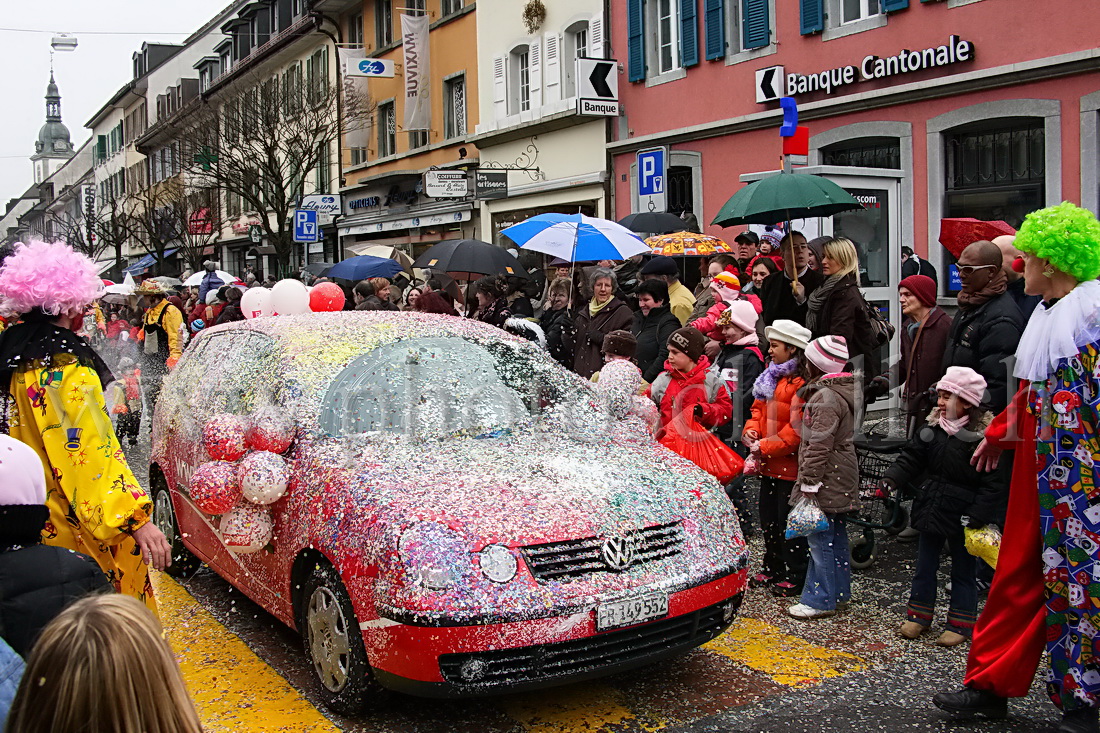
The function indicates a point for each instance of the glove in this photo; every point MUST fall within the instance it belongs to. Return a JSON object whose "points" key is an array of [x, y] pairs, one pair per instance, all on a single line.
{"points": [[171, 363], [595, 338], [879, 387]]}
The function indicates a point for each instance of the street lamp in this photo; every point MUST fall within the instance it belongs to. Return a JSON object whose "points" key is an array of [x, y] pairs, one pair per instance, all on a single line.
{"points": [[63, 42]]}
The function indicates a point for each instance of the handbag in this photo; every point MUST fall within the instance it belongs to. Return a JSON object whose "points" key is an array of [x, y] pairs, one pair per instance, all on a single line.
{"points": [[706, 450], [881, 328]]}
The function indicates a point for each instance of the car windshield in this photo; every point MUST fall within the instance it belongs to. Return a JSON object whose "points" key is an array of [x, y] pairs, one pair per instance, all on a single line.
{"points": [[447, 386]]}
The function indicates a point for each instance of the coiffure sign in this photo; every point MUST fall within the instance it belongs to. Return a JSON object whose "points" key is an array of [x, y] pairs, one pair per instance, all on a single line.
{"points": [[773, 82]]}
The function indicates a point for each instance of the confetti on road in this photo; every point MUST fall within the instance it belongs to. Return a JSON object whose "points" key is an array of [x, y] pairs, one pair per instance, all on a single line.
{"points": [[233, 689]]}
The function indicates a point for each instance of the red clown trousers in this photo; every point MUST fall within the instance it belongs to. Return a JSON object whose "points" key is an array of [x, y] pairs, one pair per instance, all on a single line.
{"points": [[1010, 636]]}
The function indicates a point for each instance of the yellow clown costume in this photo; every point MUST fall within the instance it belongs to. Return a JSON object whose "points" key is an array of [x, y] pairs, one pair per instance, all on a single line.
{"points": [[51, 398]]}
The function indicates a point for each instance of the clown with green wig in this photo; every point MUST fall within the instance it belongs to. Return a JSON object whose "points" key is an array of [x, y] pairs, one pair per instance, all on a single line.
{"points": [[1046, 591]]}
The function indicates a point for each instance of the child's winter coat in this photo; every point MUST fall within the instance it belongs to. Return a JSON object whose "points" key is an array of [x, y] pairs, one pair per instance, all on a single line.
{"points": [[738, 367], [677, 393], [827, 457], [776, 391], [708, 324]]}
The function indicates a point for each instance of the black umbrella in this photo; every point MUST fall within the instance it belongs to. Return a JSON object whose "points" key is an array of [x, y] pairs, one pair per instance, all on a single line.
{"points": [[653, 222], [469, 259], [319, 268]]}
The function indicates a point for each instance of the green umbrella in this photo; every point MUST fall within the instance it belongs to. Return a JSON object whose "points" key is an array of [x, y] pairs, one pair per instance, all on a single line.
{"points": [[783, 197]]}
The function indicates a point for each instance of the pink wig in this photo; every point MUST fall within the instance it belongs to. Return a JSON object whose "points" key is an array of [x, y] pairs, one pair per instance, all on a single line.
{"points": [[47, 275]]}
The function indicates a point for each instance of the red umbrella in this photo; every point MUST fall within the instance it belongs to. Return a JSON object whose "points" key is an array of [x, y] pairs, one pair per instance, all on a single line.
{"points": [[956, 234], [107, 282]]}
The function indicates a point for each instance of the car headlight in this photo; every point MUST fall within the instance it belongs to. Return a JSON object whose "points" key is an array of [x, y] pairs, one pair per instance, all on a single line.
{"points": [[498, 564], [431, 554]]}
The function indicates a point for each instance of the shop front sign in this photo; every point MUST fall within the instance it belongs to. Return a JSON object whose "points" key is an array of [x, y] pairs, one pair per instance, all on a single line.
{"points": [[446, 184], [774, 82]]}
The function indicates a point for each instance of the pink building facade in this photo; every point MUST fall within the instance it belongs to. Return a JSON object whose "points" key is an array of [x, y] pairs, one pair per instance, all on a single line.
{"points": [[924, 110]]}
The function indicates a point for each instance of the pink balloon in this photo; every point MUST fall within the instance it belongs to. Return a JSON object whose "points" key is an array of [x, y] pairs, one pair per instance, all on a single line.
{"points": [[326, 297], [223, 436], [214, 487]]}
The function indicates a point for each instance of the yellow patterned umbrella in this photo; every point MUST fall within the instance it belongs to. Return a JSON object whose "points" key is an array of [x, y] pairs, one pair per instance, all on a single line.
{"points": [[689, 244]]}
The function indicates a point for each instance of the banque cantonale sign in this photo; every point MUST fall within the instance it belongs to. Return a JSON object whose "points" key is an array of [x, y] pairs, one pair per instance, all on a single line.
{"points": [[873, 67]]}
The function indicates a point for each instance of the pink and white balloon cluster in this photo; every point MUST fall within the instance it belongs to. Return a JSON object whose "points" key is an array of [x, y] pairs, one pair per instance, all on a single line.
{"points": [[245, 476], [291, 297]]}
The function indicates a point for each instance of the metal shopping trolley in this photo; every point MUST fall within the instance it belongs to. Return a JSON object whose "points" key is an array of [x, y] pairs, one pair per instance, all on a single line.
{"points": [[875, 452]]}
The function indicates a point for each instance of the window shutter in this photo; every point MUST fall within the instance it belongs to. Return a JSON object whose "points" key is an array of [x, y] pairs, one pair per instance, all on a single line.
{"points": [[757, 30], [689, 33], [714, 26], [596, 46], [500, 91], [635, 38], [551, 72], [535, 74], [812, 16], [891, 6], [101, 147]]}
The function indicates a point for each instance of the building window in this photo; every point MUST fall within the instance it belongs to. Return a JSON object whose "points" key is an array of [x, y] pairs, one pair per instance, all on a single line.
{"points": [[853, 10], [226, 62], [864, 153], [205, 77], [358, 156], [451, 6], [387, 129], [520, 76], [383, 22], [681, 191], [996, 171], [317, 87], [418, 139], [663, 17], [355, 31], [454, 107], [416, 7], [576, 46], [324, 169]]}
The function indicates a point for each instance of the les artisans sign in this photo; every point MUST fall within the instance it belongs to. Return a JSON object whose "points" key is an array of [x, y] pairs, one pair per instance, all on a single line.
{"points": [[773, 82]]}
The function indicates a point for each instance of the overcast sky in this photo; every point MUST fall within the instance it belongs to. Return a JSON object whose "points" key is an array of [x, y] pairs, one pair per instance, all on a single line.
{"points": [[87, 77]]}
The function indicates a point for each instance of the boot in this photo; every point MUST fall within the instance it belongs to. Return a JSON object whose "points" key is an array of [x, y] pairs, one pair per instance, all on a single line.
{"points": [[950, 638], [969, 702], [911, 629], [1080, 720]]}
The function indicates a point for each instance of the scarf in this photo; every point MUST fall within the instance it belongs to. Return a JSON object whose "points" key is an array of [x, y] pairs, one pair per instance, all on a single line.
{"points": [[816, 304], [764, 387], [996, 285], [952, 427], [594, 307]]}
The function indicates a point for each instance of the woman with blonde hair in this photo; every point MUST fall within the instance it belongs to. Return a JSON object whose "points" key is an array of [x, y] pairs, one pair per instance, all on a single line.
{"points": [[103, 665], [837, 307]]}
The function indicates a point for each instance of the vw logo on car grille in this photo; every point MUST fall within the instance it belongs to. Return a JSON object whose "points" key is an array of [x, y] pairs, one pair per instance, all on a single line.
{"points": [[618, 552]]}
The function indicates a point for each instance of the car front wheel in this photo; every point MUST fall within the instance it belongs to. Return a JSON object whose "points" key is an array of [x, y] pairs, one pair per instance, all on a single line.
{"points": [[184, 563], [334, 645]]}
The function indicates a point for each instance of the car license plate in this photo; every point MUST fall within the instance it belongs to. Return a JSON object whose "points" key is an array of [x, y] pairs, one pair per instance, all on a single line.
{"points": [[630, 612]]}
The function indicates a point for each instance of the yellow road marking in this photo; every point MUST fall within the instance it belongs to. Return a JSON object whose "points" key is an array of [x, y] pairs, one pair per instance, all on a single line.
{"points": [[576, 708], [788, 660], [233, 689]]}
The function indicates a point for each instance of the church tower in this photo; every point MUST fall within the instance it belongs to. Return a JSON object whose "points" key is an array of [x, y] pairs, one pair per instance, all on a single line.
{"points": [[53, 146]]}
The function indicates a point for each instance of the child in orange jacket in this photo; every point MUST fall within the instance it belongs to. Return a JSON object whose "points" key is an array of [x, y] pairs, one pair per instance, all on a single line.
{"points": [[773, 443]]}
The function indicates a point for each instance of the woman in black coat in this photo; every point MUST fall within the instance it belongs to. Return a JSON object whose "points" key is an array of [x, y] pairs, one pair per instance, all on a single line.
{"points": [[492, 300], [602, 315], [837, 307], [653, 324], [557, 322]]}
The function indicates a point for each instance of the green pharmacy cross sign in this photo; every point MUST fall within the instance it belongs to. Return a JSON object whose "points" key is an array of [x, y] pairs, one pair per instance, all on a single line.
{"points": [[206, 159]]}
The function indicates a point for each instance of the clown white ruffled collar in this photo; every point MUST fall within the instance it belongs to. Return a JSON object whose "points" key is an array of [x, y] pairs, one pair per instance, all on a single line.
{"points": [[1058, 332]]}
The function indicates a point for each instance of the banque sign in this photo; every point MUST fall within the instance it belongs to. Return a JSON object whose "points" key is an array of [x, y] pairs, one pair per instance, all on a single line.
{"points": [[773, 83]]}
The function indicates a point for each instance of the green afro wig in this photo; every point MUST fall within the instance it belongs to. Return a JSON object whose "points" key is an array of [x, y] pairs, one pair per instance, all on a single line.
{"points": [[1066, 235]]}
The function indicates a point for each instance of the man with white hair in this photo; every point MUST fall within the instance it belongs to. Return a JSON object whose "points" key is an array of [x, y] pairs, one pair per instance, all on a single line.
{"points": [[1009, 253]]}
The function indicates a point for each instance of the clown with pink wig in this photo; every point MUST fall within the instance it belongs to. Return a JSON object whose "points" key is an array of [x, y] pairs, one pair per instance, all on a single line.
{"points": [[53, 401]]}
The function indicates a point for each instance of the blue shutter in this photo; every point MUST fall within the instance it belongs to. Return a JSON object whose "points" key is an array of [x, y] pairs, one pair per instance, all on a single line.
{"points": [[891, 6], [689, 32], [635, 38], [813, 16], [714, 26], [757, 26]]}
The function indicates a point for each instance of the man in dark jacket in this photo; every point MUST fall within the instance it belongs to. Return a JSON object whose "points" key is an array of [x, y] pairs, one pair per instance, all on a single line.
{"points": [[912, 264], [653, 324], [986, 330], [37, 581], [778, 294]]}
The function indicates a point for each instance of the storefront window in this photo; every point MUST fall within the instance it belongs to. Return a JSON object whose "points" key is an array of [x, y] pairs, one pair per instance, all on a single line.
{"points": [[869, 230], [996, 172]]}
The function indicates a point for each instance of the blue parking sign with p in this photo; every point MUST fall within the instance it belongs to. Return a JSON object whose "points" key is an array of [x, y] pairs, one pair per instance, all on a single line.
{"points": [[651, 172], [305, 225]]}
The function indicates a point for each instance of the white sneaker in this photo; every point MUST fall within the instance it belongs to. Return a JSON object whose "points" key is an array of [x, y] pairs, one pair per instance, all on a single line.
{"points": [[801, 610]]}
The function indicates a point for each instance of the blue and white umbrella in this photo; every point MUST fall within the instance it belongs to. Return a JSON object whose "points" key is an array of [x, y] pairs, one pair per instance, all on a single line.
{"points": [[576, 238]]}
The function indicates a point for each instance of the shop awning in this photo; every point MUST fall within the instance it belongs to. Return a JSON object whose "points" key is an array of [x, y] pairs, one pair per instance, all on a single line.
{"points": [[102, 267], [146, 262]]}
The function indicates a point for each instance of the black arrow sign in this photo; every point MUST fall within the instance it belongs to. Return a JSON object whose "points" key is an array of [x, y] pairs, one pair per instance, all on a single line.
{"points": [[599, 81], [766, 80]]}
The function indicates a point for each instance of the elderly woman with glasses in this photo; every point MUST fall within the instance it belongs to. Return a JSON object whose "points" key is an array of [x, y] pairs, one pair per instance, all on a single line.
{"points": [[603, 314]]}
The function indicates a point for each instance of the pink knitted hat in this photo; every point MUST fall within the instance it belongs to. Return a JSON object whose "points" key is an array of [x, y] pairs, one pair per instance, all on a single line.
{"points": [[828, 353], [964, 382]]}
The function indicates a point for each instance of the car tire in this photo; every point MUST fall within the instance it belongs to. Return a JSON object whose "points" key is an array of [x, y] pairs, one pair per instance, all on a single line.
{"points": [[862, 550], [334, 646], [184, 563]]}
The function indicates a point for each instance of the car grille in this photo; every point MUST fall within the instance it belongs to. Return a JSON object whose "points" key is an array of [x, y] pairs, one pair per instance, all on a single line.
{"points": [[593, 653], [577, 558]]}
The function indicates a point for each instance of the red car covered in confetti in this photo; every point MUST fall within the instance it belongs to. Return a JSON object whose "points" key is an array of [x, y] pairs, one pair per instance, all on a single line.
{"points": [[436, 505]]}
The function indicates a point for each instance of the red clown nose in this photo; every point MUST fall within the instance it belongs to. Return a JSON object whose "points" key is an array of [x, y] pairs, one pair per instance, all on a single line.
{"points": [[1018, 265]]}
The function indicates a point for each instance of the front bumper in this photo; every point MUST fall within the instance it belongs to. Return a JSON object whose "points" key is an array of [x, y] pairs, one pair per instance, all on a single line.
{"points": [[460, 661]]}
